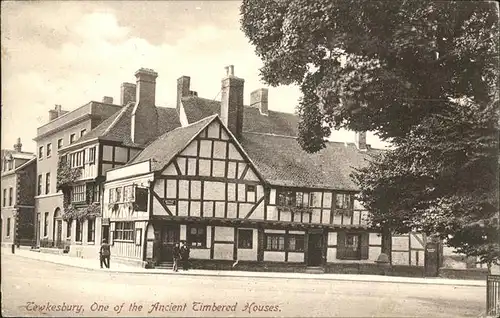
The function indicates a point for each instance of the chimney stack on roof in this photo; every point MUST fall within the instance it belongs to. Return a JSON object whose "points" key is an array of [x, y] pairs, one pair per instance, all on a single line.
{"points": [[127, 93], [232, 102], [183, 85], [360, 140], [18, 146], [144, 121], [56, 112], [259, 99], [107, 100]]}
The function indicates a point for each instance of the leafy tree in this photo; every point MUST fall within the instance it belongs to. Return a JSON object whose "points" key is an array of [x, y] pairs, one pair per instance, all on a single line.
{"points": [[422, 75]]}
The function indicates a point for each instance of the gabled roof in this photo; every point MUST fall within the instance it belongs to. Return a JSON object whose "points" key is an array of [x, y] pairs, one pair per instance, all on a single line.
{"points": [[283, 163], [277, 123], [117, 126], [24, 165], [162, 150], [17, 154]]}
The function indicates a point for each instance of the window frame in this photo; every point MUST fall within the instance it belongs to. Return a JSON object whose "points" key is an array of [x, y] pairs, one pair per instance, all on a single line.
{"points": [[200, 240], [78, 231], [11, 195], [9, 226], [40, 152], [91, 230], [279, 237], [40, 180], [47, 183], [72, 138], [48, 150], [60, 143], [46, 224], [81, 195], [83, 132], [92, 152], [124, 231], [299, 238], [4, 197], [69, 224], [242, 239]]}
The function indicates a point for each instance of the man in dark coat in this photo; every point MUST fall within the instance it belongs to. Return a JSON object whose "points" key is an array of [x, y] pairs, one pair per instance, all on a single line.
{"points": [[176, 253], [185, 256], [105, 253]]}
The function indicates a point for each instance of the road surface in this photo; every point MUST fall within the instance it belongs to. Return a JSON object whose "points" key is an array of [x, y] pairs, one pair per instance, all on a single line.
{"points": [[35, 288]]}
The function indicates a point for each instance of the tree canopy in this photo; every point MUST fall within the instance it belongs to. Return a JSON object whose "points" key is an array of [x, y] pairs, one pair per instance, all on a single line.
{"points": [[420, 74]]}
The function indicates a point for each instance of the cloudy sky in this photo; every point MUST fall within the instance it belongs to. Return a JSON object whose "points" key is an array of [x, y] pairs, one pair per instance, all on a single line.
{"points": [[69, 53]]}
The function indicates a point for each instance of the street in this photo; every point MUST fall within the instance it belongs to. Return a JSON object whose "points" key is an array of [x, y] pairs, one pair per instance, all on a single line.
{"points": [[35, 288]]}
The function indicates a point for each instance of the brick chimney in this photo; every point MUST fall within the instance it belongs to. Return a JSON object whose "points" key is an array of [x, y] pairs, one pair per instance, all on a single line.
{"points": [[360, 140], [56, 112], [259, 99], [18, 146], [107, 100], [127, 93], [144, 121], [231, 106], [183, 84]]}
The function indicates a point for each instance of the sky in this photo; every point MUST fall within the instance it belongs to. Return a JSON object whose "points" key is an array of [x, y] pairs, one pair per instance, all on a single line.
{"points": [[69, 53]]}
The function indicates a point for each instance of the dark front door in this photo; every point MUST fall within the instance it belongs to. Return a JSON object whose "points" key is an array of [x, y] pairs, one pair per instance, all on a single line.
{"points": [[431, 259], [59, 234], [169, 236], [315, 249]]}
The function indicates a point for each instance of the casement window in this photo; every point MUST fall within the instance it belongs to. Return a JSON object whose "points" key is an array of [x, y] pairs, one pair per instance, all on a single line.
{"points": [[47, 183], [78, 231], [128, 193], [251, 193], [343, 201], [46, 224], [197, 236], [92, 155], [4, 197], [352, 245], [78, 193], [68, 228], [91, 230], [39, 190], [8, 226], [288, 198], [59, 143], [93, 194], [83, 132], [124, 231], [77, 159], [10, 196], [275, 242], [245, 238], [49, 150], [40, 152], [296, 243], [72, 138]]}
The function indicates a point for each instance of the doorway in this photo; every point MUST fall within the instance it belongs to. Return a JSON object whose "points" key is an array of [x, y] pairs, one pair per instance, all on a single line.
{"points": [[432, 259], [105, 233], [59, 243], [170, 235], [315, 249]]}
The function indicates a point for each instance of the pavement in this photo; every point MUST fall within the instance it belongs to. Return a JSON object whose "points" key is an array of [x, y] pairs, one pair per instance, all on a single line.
{"points": [[91, 264], [36, 288]]}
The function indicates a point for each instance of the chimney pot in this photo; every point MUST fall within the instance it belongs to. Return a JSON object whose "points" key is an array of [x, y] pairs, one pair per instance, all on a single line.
{"points": [[144, 121], [107, 100], [58, 109]]}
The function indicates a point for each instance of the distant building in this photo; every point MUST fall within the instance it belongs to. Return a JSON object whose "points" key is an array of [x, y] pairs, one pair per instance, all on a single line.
{"points": [[17, 195]]}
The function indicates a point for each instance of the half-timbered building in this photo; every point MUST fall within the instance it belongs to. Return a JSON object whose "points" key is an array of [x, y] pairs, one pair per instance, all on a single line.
{"points": [[233, 183]]}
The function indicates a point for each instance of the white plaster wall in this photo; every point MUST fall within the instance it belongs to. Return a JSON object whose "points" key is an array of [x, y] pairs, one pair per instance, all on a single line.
{"points": [[374, 252], [331, 254], [245, 254], [332, 238], [295, 257], [224, 233], [223, 251], [375, 239], [274, 256], [182, 234], [200, 253]]}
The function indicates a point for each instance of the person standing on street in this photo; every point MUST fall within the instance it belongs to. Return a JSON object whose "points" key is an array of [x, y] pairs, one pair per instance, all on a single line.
{"points": [[176, 255], [105, 253], [185, 256]]}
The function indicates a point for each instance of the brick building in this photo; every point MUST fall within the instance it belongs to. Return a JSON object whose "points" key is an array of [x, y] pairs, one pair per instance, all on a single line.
{"points": [[17, 195]]}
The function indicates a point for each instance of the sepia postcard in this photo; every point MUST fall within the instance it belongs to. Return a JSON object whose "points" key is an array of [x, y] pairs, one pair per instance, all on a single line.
{"points": [[250, 158]]}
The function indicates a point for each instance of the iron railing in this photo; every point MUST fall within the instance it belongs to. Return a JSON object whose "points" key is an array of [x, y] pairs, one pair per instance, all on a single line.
{"points": [[493, 295]]}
